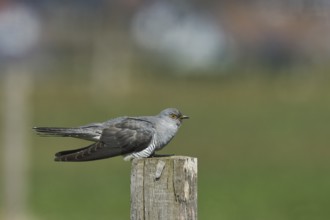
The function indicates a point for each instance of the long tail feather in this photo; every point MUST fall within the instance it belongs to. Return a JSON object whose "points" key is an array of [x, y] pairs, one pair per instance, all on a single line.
{"points": [[51, 131], [86, 134]]}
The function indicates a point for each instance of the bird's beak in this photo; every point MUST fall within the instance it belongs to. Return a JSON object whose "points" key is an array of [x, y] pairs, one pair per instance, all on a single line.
{"points": [[184, 117]]}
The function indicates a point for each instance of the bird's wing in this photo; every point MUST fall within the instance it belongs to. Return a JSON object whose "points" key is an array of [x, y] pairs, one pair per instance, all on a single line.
{"points": [[120, 138]]}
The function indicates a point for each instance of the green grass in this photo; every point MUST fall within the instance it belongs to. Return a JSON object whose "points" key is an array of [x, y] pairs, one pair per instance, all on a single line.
{"points": [[262, 146]]}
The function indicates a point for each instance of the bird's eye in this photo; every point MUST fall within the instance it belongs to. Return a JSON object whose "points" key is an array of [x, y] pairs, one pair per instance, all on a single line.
{"points": [[174, 116]]}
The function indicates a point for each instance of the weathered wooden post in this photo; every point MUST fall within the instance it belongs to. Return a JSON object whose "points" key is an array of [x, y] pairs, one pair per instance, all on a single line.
{"points": [[164, 188]]}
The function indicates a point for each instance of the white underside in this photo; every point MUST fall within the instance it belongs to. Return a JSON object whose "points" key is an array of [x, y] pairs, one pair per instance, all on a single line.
{"points": [[142, 154]]}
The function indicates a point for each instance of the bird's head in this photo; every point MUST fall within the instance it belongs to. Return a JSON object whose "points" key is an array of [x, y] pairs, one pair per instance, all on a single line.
{"points": [[173, 114]]}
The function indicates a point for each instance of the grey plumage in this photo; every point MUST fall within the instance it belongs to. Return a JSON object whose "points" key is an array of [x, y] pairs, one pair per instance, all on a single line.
{"points": [[131, 137]]}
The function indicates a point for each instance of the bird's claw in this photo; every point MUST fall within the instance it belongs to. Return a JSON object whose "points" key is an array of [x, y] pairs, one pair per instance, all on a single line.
{"points": [[161, 155]]}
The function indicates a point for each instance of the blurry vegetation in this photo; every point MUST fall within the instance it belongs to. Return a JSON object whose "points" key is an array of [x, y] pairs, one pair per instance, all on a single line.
{"points": [[261, 144], [259, 111]]}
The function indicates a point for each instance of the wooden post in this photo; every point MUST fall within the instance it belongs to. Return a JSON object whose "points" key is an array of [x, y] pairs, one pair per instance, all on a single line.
{"points": [[164, 188]]}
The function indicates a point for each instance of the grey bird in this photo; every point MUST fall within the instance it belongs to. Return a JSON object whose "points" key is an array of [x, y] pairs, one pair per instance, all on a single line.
{"points": [[131, 137]]}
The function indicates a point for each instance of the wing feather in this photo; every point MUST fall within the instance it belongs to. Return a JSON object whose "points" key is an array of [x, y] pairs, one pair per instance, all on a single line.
{"points": [[120, 138]]}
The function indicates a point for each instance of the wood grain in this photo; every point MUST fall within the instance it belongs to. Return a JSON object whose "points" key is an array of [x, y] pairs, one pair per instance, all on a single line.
{"points": [[164, 188]]}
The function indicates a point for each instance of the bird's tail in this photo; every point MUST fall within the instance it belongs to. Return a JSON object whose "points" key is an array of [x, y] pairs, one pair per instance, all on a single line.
{"points": [[61, 132]]}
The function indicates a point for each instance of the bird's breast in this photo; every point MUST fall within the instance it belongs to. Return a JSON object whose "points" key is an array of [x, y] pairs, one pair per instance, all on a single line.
{"points": [[165, 134]]}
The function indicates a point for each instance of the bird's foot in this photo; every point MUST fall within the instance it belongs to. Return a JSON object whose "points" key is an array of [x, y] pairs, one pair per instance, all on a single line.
{"points": [[161, 155]]}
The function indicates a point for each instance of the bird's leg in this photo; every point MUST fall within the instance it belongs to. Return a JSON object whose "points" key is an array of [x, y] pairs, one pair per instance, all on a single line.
{"points": [[160, 155]]}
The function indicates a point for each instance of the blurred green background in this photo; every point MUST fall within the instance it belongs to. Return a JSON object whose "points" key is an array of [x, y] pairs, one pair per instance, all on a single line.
{"points": [[260, 129]]}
